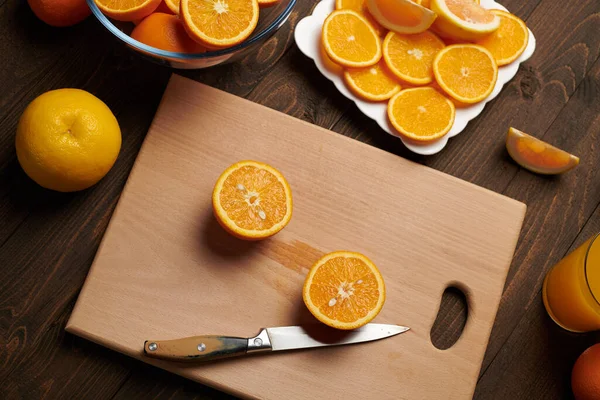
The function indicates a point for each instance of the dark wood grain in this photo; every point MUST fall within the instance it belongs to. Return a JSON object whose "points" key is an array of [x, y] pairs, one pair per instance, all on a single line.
{"points": [[48, 240], [539, 350]]}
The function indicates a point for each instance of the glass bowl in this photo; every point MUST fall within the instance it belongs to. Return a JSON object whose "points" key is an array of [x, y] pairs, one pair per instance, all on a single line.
{"points": [[270, 20]]}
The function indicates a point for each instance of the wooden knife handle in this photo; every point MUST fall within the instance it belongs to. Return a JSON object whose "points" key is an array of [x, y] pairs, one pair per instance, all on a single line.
{"points": [[196, 348]]}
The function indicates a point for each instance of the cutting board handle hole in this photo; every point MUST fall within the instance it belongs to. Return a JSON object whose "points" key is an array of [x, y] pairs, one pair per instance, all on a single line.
{"points": [[450, 320]]}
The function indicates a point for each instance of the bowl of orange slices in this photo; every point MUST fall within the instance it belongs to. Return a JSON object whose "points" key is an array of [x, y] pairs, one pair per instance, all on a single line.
{"points": [[421, 69], [192, 34]]}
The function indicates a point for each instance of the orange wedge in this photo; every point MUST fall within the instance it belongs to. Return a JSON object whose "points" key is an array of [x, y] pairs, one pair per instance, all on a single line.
{"points": [[402, 16], [374, 83], [466, 72], [350, 40], [509, 41], [252, 200], [344, 290], [219, 24], [127, 10], [410, 57], [538, 156], [463, 19], [360, 6], [421, 114]]}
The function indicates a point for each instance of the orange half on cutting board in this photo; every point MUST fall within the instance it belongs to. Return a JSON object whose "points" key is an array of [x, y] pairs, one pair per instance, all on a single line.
{"points": [[252, 200], [344, 290]]}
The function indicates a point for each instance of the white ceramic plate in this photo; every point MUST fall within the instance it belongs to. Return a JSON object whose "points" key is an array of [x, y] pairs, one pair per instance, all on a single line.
{"points": [[308, 34]]}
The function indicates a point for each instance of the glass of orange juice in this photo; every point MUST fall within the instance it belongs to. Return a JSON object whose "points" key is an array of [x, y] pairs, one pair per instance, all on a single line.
{"points": [[572, 289]]}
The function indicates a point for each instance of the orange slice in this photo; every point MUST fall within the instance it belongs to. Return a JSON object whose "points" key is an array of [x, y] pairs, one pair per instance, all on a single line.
{"points": [[267, 3], [127, 10], [466, 72], [219, 23], [538, 156], [509, 41], [421, 114], [410, 57], [350, 40], [344, 290], [463, 19], [402, 16], [360, 6], [252, 200], [374, 83]]}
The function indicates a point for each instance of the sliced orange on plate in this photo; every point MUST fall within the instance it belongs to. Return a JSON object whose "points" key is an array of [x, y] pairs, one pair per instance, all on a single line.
{"points": [[538, 156], [463, 19], [422, 115], [344, 290], [350, 40], [127, 10], [360, 6], [252, 200], [410, 57], [219, 24], [466, 72], [402, 16], [509, 41], [374, 83]]}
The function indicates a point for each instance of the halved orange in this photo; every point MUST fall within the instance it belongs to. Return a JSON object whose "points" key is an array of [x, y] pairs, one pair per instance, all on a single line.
{"points": [[127, 10], [219, 23], [360, 6], [252, 200], [538, 156], [509, 41], [421, 114], [344, 290], [467, 72], [463, 19], [410, 57], [350, 40], [402, 16], [374, 83]]}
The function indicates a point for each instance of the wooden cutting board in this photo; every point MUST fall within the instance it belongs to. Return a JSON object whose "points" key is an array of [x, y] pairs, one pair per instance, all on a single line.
{"points": [[165, 268]]}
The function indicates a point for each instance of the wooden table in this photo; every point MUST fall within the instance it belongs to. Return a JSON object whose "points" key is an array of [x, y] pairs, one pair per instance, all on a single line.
{"points": [[48, 239]]}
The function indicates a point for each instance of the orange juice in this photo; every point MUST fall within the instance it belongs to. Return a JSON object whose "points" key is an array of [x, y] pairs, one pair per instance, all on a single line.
{"points": [[572, 289]]}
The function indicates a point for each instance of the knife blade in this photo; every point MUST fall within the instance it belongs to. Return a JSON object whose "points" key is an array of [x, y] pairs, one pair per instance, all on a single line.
{"points": [[212, 347]]}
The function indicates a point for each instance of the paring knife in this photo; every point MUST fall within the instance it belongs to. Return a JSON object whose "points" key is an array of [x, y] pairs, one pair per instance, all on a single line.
{"points": [[211, 347]]}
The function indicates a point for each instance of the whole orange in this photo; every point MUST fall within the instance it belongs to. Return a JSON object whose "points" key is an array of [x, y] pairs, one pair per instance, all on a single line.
{"points": [[585, 379], [60, 12], [67, 140], [165, 32]]}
